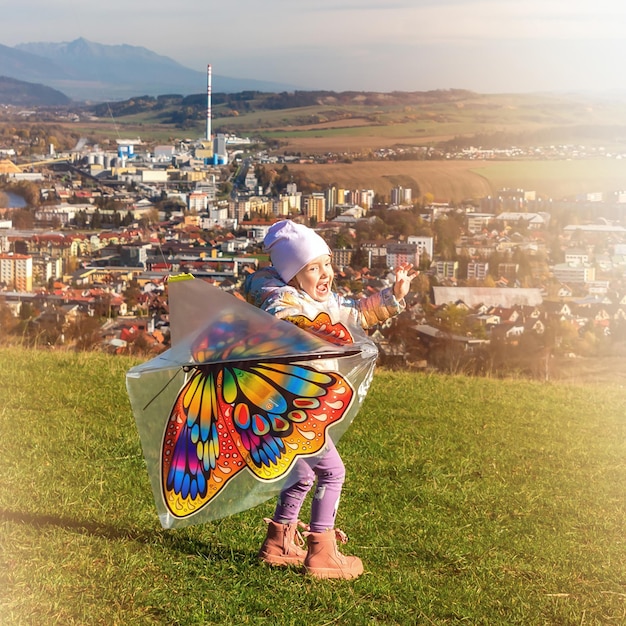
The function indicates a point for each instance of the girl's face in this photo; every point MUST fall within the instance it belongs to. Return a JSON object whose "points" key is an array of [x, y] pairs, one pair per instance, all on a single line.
{"points": [[316, 278]]}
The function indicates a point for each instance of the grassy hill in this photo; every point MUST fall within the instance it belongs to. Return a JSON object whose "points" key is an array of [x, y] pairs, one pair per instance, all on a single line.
{"points": [[404, 117], [475, 500], [323, 121]]}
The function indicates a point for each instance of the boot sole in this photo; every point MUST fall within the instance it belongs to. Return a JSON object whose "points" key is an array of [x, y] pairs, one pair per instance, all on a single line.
{"points": [[277, 561], [331, 573]]}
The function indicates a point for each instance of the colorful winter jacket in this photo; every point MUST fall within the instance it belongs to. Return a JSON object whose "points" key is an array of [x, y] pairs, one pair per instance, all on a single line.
{"points": [[266, 290]]}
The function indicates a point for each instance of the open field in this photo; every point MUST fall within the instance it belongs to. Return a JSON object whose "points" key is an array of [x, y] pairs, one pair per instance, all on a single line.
{"points": [[354, 124], [423, 120], [371, 120], [513, 119], [445, 179], [557, 179], [469, 500], [106, 131], [462, 180]]}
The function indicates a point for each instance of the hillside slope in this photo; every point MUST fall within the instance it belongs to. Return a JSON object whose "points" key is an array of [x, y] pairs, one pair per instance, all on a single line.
{"points": [[475, 501], [20, 93]]}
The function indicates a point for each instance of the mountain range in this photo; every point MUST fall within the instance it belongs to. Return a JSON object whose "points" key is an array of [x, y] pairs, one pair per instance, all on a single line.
{"points": [[86, 71]]}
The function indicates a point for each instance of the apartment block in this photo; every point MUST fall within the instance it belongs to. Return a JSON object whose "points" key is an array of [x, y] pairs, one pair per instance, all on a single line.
{"points": [[342, 257], [477, 222], [574, 273], [315, 207], [446, 269], [287, 204], [401, 196], [376, 254], [198, 202], [16, 271], [46, 267], [576, 257], [477, 270], [425, 245], [400, 253], [508, 271]]}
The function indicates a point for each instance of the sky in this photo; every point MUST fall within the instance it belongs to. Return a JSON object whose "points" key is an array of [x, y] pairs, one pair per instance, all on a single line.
{"points": [[488, 46]]}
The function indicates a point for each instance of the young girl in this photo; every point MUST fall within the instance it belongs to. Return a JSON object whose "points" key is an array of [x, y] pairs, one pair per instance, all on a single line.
{"points": [[299, 283]]}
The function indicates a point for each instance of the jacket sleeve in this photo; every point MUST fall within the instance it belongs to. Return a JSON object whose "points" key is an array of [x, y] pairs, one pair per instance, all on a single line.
{"points": [[266, 290], [283, 302], [375, 308]]}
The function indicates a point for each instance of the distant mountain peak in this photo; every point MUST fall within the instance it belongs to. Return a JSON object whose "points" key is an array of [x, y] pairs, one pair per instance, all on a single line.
{"points": [[87, 70]]}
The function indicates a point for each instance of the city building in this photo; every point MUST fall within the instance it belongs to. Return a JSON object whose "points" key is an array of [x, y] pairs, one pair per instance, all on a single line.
{"points": [[576, 256], [402, 253], [401, 195], [529, 220], [46, 268], [508, 271], [376, 254], [477, 222], [287, 204], [446, 269], [315, 207], [574, 273], [342, 257], [16, 271], [425, 245], [477, 270]]}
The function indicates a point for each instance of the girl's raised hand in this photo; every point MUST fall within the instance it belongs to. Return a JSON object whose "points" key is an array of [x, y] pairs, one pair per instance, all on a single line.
{"points": [[404, 275]]}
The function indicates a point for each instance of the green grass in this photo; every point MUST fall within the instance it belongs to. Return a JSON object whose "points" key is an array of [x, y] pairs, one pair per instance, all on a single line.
{"points": [[573, 119], [472, 501]]}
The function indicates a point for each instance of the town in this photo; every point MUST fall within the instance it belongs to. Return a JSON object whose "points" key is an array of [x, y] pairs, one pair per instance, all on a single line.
{"points": [[89, 237]]}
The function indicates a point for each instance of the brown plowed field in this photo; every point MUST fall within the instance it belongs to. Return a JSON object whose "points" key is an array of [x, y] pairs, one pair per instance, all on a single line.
{"points": [[463, 180], [445, 180]]}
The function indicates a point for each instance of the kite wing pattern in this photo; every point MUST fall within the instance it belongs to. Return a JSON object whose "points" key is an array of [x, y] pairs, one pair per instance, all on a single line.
{"points": [[256, 417], [224, 416], [322, 326]]}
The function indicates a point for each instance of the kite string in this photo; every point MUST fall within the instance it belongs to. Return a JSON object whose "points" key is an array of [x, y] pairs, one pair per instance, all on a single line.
{"points": [[165, 387]]}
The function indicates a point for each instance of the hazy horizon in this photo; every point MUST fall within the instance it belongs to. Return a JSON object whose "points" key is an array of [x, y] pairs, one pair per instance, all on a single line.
{"points": [[493, 46]]}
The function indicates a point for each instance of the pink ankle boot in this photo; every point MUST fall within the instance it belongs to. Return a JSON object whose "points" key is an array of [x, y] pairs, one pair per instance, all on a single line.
{"points": [[323, 559], [283, 544]]}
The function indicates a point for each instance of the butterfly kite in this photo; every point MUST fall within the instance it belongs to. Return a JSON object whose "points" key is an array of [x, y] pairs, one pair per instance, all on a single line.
{"points": [[226, 413]]}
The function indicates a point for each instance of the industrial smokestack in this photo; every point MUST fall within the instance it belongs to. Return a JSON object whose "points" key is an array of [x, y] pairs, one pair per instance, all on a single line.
{"points": [[208, 104]]}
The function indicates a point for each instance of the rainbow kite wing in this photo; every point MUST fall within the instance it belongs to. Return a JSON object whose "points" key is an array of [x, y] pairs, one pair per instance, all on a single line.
{"points": [[227, 412], [258, 418]]}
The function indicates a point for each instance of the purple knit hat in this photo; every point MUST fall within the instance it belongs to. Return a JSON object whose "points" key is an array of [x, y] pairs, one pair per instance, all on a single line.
{"points": [[292, 246]]}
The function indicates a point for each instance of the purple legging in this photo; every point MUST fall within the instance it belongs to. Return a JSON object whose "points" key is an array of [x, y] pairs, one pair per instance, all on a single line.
{"points": [[330, 473]]}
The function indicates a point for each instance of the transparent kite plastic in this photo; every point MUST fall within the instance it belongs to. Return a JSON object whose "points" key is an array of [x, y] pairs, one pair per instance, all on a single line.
{"points": [[225, 415]]}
